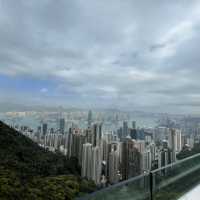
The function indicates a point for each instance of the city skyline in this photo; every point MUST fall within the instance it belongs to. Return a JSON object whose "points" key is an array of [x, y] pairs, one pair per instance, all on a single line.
{"points": [[135, 55], [110, 156]]}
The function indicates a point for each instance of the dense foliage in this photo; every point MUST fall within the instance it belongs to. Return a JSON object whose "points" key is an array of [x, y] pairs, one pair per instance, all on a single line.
{"points": [[28, 171]]}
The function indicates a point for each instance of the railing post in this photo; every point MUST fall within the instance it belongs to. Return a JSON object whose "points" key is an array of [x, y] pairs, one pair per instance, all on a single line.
{"points": [[151, 185]]}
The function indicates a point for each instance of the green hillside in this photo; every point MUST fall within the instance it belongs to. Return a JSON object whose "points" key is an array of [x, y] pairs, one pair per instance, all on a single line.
{"points": [[28, 171]]}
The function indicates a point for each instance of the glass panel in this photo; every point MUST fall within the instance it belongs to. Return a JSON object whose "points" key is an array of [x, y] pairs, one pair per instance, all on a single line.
{"points": [[133, 189], [173, 181], [169, 182]]}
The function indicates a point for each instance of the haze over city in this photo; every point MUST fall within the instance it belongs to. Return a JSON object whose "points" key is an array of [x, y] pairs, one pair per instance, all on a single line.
{"points": [[138, 55]]}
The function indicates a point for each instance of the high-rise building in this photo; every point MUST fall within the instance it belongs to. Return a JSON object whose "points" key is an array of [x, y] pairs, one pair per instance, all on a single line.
{"points": [[51, 130], [44, 128], [96, 165], [75, 143], [130, 159], [91, 163], [62, 125], [120, 133], [134, 124], [113, 167], [88, 134], [140, 145], [165, 157], [146, 160], [175, 140], [97, 134], [133, 133], [89, 118], [125, 129], [39, 129], [86, 169]]}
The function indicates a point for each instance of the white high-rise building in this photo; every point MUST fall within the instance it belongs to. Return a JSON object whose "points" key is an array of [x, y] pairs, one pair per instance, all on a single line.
{"points": [[113, 170], [91, 163], [96, 165], [140, 145], [146, 160], [175, 140], [86, 169]]}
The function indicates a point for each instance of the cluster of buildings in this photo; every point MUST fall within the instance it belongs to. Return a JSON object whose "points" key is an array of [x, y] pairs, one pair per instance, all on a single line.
{"points": [[110, 157]]}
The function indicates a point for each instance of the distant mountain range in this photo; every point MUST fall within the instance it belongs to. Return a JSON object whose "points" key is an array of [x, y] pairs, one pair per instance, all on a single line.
{"points": [[15, 107], [28, 171]]}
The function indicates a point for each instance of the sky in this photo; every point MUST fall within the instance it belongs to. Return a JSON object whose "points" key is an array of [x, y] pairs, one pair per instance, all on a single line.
{"points": [[124, 54]]}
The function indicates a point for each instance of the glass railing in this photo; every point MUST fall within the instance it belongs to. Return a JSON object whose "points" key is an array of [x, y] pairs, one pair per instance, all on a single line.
{"points": [[169, 182], [174, 180], [136, 188]]}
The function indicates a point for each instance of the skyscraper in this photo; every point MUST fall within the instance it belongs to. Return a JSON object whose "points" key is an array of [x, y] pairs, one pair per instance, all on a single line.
{"points": [[86, 168], [75, 143], [113, 164], [62, 125], [89, 118], [96, 134], [96, 165], [165, 157], [91, 163], [125, 129], [44, 128], [134, 124], [175, 140], [133, 133], [131, 161]]}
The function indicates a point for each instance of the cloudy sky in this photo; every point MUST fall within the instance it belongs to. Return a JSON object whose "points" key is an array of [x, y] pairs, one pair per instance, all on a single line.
{"points": [[128, 54]]}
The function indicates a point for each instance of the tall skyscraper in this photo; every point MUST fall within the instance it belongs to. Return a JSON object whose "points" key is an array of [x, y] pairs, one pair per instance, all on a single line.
{"points": [[133, 133], [62, 125], [44, 128], [125, 129], [175, 140], [96, 165], [89, 118], [134, 124], [91, 163], [113, 163], [131, 159], [39, 129], [113, 167], [146, 160], [86, 169], [165, 157], [75, 143], [97, 134]]}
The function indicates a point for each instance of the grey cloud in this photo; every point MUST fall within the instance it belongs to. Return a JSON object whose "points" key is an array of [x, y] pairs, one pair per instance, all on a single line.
{"points": [[156, 47], [123, 53]]}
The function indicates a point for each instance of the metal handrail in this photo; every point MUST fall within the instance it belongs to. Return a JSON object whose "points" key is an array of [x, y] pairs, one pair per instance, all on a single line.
{"points": [[176, 163]]}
